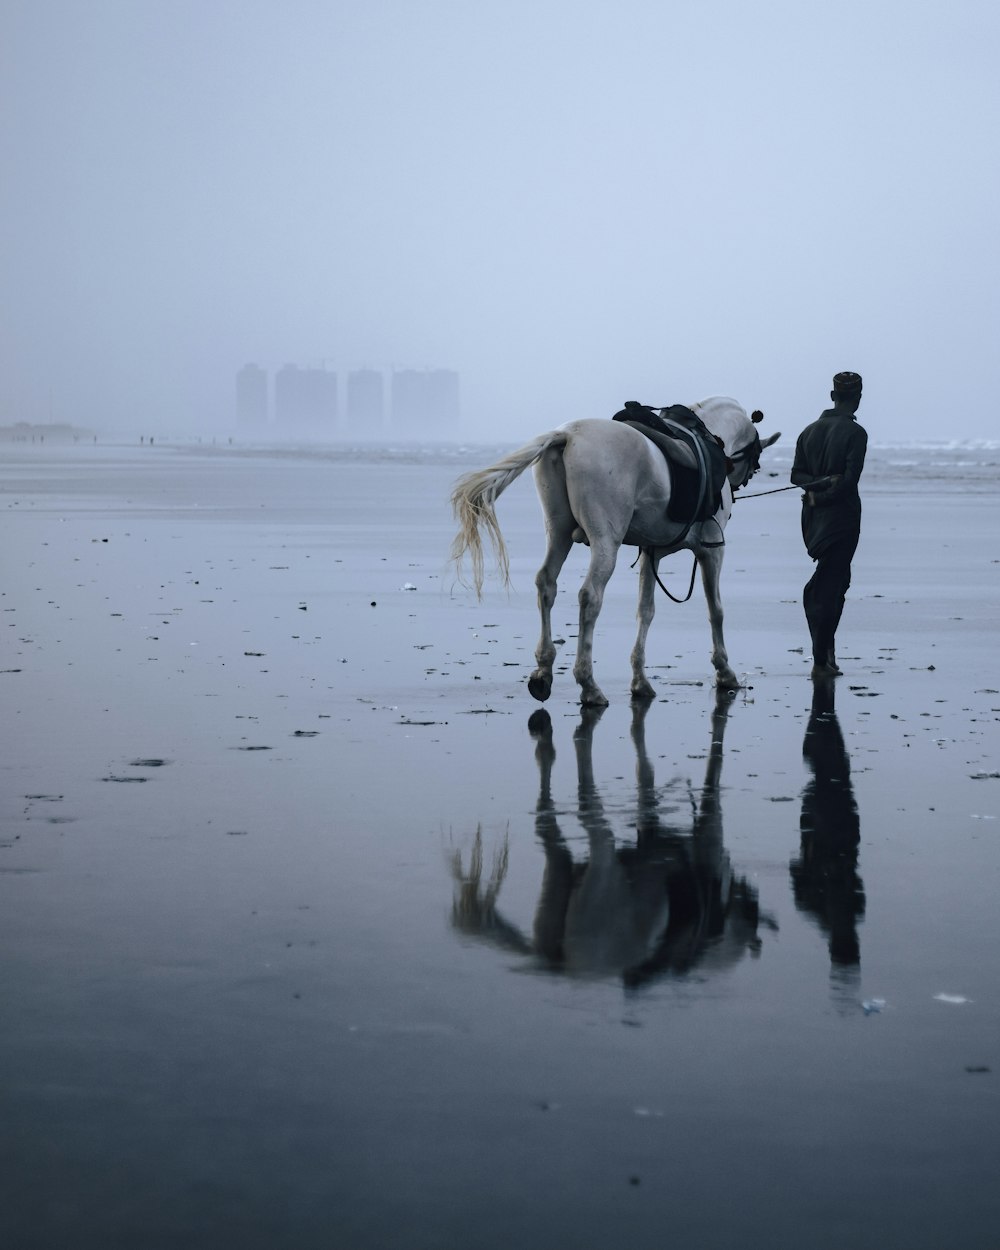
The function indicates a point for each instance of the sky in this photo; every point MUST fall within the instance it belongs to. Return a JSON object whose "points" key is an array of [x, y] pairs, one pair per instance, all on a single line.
{"points": [[570, 202]]}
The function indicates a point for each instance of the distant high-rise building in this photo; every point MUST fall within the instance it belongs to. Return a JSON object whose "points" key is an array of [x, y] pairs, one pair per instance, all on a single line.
{"points": [[321, 399], [425, 399], [365, 400], [305, 399], [251, 398], [287, 396]]}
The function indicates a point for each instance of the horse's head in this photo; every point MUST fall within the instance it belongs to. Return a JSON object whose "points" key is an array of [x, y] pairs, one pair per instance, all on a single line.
{"points": [[728, 420], [745, 460]]}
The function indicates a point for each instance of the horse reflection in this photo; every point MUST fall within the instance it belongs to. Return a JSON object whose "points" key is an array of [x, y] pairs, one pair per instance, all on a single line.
{"points": [[654, 907], [825, 878]]}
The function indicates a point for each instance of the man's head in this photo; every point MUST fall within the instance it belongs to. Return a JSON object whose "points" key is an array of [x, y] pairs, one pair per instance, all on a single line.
{"points": [[846, 389]]}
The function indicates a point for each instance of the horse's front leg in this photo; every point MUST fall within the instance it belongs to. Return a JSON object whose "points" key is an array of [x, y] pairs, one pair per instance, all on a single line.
{"points": [[710, 562], [603, 556], [642, 691], [540, 681]]}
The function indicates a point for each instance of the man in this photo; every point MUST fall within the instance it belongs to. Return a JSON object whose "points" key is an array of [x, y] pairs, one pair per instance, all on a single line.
{"points": [[829, 458]]}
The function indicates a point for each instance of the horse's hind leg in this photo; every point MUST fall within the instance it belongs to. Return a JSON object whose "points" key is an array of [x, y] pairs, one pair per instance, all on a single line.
{"points": [[710, 562], [550, 482], [642, 691], [560, 542], [603, 556]]}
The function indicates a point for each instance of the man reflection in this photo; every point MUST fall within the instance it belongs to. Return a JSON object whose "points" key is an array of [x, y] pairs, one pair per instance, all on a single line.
{"points": [[654, 906], [825, 878]]}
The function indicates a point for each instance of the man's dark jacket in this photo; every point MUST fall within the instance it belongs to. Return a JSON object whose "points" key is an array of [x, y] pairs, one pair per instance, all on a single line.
{"points": [[833, 445]]}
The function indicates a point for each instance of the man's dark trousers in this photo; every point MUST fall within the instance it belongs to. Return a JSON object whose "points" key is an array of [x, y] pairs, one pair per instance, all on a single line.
{"points": [[824, 594]]}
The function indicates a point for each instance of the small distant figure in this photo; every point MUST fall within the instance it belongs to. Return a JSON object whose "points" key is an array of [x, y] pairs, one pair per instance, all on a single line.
{"points": [[829, 459]]}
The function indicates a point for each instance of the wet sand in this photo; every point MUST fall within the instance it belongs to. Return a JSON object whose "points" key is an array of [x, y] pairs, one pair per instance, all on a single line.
{"points": [[311, 940]]}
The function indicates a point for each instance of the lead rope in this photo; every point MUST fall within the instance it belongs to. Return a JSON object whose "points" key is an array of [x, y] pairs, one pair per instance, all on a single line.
{"points": [[778, 489]]}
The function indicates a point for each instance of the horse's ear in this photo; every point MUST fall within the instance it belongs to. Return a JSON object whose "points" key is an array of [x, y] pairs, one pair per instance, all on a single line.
{"points": [[756, 416]]}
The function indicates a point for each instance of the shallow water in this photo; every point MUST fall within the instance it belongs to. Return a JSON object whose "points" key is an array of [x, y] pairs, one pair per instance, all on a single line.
{"points": [[256, 990]]}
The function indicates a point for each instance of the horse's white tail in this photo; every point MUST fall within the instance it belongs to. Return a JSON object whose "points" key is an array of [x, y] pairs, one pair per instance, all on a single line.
{"points": [[472, 502]]}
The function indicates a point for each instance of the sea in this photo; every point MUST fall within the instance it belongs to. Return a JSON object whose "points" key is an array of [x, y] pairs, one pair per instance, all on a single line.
{"points": [[961, 463]]}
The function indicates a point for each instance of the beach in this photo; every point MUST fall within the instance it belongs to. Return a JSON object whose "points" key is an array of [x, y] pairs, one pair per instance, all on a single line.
{"points": [[310, 939]]}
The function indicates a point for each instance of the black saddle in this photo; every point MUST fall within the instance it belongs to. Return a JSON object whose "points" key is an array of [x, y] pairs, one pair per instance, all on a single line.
{"points": [[697, 459]]}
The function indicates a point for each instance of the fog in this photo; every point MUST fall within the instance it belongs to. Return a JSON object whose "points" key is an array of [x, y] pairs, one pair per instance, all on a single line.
{"points": [[570, 203]]}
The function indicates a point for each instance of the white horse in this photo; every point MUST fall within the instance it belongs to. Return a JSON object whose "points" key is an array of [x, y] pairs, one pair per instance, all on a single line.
{"points": [[603, 483]]}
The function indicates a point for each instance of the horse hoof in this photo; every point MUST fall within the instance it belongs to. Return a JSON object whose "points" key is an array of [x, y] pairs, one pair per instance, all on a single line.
{"points": [[594, 699], [539, 687], [643, 694]]}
